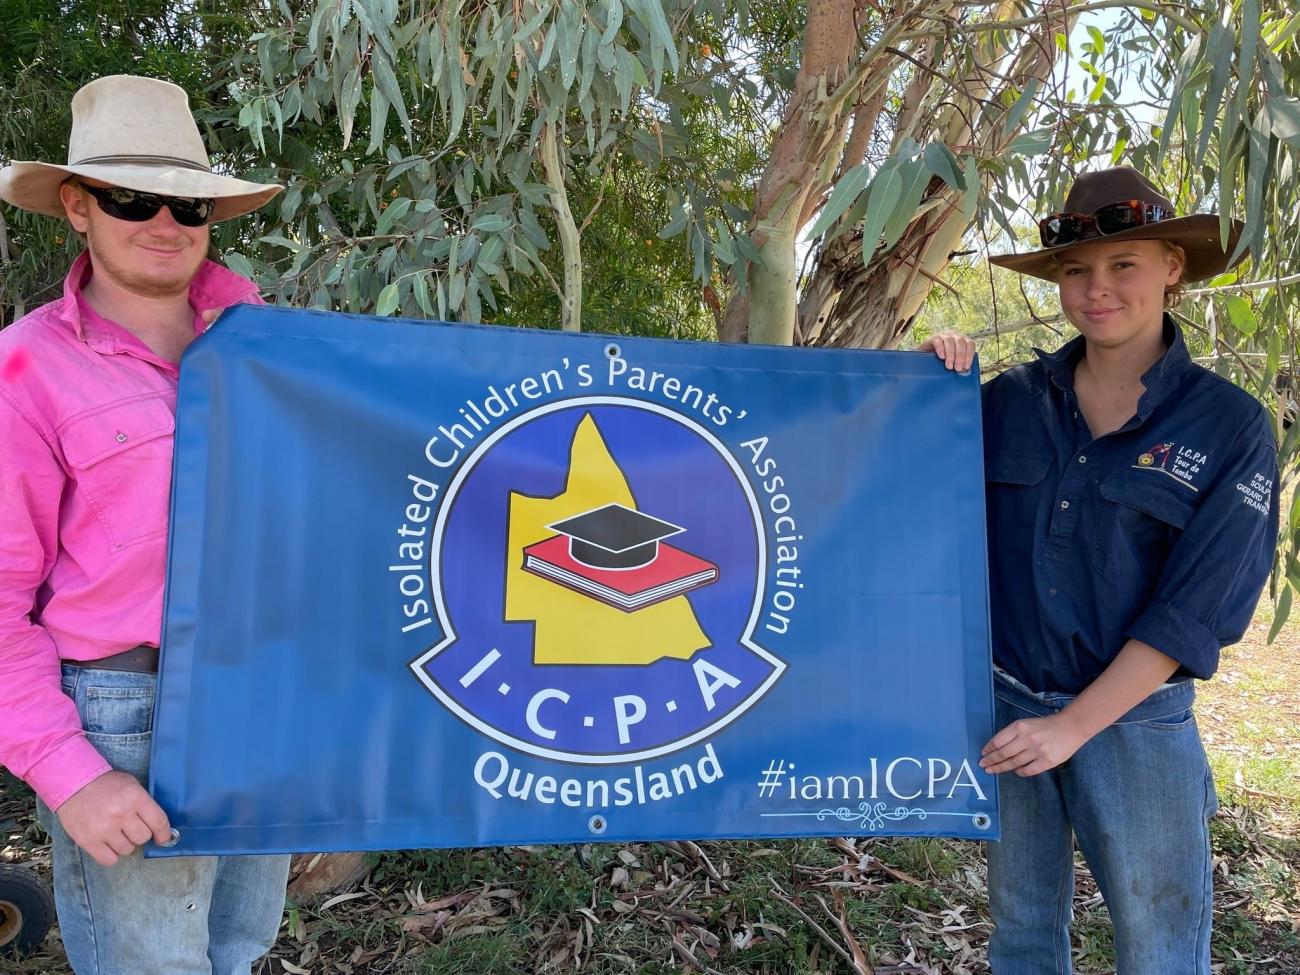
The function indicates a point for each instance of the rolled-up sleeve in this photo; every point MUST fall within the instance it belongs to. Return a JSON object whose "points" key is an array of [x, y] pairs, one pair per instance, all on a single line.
{"points": [[1206, 595], [41, 740]]}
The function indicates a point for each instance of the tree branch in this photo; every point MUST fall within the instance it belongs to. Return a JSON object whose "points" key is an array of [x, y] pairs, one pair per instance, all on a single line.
{"points": [[1154, 6], [1245, 286], [997, 331], [4, 257], [570, 241]]}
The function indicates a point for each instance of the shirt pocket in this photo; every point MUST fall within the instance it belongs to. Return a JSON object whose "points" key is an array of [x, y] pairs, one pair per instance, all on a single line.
{"points": [[1143, 520], [121, 457], [1014, 485]]}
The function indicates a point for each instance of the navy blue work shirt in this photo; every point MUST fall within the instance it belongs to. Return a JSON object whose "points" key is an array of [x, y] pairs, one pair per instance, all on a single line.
{"points": [[1162, 531]]}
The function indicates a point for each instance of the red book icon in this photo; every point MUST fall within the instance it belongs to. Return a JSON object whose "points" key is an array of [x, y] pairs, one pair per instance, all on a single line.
{"points": [[618, 556]]}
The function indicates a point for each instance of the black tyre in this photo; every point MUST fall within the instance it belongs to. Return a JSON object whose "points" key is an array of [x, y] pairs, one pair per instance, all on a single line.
{"points": [[26, 911]]}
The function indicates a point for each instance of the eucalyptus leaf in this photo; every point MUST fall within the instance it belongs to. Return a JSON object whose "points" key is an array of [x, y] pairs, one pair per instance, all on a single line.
{"points": [[279, 240], [238, 263], [349, 97], [1283, 114], [676, 225], [392, 214], [386, 81], [378, 120], [386, 304], [529, 27], [723, 248], [1033, 143], [613, 21], [1281, 613], [1242, 315], [1219, 54], [1021, 106], [491, 223], [489, 256], [881, 200], [943, 163], [842, 197], [915, 177], [652, 12]]}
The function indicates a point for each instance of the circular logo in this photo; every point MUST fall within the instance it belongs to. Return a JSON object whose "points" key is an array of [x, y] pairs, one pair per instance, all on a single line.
{"points": [[597, 567]]}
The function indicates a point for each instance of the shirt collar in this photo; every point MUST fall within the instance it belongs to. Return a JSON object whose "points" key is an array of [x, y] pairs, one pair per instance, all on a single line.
{"points": [[1060, 364], [213, 287], [1162, 377]]}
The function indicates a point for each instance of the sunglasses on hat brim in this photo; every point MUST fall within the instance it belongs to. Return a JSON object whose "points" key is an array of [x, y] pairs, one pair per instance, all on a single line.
{"points": [[136, 206], [1063, 228]]}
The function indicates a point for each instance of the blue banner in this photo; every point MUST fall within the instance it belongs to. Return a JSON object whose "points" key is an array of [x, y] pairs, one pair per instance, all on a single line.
{"points": [[440, 585]]}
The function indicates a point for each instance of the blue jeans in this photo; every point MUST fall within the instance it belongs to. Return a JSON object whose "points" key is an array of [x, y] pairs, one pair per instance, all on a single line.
{"points": [[1138, 797], [175, 916]]}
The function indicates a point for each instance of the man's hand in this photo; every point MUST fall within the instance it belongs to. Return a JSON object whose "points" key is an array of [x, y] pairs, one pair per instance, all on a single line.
{"points": [[110, 816], [1032, 745], [956, 350]]}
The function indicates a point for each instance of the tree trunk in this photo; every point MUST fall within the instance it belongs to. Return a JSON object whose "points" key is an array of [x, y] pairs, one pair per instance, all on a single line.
{"points": [[851, 303], [804, 155], [314, 874], [570, 240]]}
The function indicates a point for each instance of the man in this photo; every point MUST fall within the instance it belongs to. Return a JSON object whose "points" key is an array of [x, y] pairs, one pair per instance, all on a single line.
{"points": [[87, 402]]}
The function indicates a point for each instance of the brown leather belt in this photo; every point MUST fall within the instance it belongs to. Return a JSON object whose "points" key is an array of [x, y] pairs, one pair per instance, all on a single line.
{"points": [[137, 660]]}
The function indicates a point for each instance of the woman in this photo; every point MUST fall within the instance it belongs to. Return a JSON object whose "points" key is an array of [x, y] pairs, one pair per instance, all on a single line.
{"points": [[1132, 525]]}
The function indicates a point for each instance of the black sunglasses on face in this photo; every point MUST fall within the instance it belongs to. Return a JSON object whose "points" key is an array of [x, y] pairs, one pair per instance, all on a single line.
{"points": [[1067, 228], [137, 207]]}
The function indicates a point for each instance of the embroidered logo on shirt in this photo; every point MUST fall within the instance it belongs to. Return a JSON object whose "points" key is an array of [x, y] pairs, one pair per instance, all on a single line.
{"points": [[1180, 463], [1160, 453]]}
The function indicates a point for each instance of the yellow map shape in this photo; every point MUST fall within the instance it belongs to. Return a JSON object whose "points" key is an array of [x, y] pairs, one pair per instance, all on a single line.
{"points": [[573, 628]]}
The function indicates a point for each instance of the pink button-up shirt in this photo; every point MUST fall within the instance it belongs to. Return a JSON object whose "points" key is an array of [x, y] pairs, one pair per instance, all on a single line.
{"points": [[86, 419]]}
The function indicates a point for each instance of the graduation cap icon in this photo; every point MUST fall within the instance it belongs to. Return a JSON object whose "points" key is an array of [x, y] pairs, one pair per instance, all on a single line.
{"points": [[615, 537], [619, 556]]}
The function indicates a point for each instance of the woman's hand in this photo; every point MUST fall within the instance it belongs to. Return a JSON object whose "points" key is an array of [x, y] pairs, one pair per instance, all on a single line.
{"points": [[1032, 745], [956, 350]]}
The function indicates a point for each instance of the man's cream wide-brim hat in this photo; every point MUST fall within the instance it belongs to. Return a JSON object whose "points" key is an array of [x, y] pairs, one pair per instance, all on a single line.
{"points": [[137, 133]]}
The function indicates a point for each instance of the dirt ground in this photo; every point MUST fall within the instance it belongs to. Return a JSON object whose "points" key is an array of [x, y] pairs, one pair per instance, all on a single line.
{"points": [[811, 906]]}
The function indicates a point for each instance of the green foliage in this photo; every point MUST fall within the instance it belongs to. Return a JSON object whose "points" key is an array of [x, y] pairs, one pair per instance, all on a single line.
{"points": [[407, 134], [446, 211]]}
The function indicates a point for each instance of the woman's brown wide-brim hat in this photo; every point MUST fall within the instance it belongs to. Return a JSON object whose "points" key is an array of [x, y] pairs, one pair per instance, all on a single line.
{"points": [[1197, 234], [136, 133]]}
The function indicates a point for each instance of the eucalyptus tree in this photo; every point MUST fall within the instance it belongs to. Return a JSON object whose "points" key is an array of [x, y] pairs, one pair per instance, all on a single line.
{"points": [[885, 138]]}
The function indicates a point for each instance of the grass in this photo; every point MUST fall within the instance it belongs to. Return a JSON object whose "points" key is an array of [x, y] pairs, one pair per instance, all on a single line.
{"points": [[1250, 719], [799, 906]]}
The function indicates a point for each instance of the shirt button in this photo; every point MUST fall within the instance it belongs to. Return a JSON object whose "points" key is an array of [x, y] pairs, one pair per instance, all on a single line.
{"points": [[121, 438], [1065, 506], [1083, 459]]}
